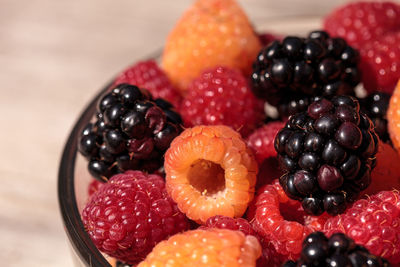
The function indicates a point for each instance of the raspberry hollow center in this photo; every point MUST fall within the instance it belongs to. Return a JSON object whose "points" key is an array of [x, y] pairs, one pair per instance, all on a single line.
{"points": [[289, 213], [207, 177]]}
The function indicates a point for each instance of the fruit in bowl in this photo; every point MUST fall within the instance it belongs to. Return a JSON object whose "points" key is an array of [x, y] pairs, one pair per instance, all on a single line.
{"points": [[188, 165]]}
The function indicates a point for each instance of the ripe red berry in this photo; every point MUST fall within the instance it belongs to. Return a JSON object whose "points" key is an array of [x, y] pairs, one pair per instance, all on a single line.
{"points": [[374, 223], [268, 171], [222, 96], [360, 22], [130, 214], [261, 141], [281, 221], [147, 75], [380, 63], [94, 186], [386, 174], [224, 222]]}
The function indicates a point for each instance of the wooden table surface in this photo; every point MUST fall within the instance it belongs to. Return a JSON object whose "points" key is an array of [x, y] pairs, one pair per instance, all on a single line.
{"points": [[54, 56]]}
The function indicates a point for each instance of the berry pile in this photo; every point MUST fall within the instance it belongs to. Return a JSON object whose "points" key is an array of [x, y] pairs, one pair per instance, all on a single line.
{"points": [[338, 250], [374, 29], [289, 74], [147, 74], [373, 223], [214, 247], [131, 132], [227, 185], [328, 153]]}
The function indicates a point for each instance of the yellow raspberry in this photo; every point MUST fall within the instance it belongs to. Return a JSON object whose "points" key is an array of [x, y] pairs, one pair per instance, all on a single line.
{"points": [[210, 33], [208, 248], [210, 171]]}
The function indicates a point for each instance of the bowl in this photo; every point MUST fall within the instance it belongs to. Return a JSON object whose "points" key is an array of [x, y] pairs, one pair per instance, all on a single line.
{"points": [[73, 181], [73, 177]]}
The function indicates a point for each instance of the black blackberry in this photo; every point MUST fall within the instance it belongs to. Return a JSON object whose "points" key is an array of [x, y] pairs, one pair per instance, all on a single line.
{"points": [[328, 153], [121, 264], [289, 74], [337, 251], [130, 131], [375, 105]]}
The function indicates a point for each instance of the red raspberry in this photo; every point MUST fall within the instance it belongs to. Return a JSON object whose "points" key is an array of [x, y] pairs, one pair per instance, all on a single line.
{"points": [[281, 222], [360, 22], [268, 171], [380, 63], [261, 141], [386, 174], [374, 223], [242, 225], [130, 214], [94, 185], [224, 222], [147, 74], [222, 96]]}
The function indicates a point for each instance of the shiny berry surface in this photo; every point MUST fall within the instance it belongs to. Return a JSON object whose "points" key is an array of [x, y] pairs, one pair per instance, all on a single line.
{"points": [[328, 153], [375, 105], [130, 132], [290, 74], [337, 251]]}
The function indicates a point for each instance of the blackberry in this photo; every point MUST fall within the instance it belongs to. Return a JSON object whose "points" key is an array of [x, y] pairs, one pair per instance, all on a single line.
{"points": [[131, 131], [375, 105], [291, 73], [328, 153], [121, 264], [337, 251]]}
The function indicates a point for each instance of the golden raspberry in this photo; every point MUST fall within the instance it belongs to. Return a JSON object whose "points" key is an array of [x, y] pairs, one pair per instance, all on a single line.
{"points": [[210, 171], [393, 117], [210, 33], [208, 248]]}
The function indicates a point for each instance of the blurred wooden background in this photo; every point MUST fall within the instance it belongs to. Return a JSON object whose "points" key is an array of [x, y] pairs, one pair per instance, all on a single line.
{"points": [[54, 56]]}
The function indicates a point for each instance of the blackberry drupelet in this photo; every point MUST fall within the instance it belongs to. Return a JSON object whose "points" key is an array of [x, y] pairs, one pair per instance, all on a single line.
{"points": [[328, 153], [290, 73], [131, 131], [337, 251], [121, 264], [375, 105]]}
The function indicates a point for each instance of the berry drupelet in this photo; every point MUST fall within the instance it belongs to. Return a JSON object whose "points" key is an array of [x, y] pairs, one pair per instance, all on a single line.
{"points": [[290, 73], [328, 153], [375, 106], [337, 251], [131, 131]]}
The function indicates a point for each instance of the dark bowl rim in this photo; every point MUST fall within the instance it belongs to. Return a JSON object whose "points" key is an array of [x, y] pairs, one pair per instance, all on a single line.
{"points": [[73, 226]]}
